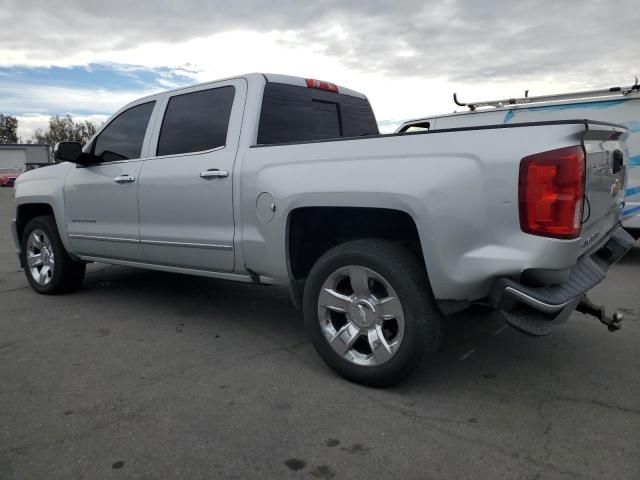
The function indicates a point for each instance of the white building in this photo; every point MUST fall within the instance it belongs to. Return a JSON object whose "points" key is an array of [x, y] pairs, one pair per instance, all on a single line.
{"points": [[23, 157]]}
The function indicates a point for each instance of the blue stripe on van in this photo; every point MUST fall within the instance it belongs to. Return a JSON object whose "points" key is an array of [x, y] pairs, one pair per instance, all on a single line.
{"points": [[587, 105], [631, 191], [508, 116], [634, 126], [572, 106], [629, 211]]}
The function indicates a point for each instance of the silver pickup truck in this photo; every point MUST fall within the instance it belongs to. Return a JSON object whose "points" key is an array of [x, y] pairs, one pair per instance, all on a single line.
{"points": [[280, 180]]}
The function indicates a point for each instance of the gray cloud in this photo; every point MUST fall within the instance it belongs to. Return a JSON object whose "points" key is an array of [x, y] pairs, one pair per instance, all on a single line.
{"points": [[587, 42]]}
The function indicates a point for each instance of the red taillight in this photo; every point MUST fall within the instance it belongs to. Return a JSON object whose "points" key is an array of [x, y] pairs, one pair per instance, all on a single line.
{"points": [[551, 192], [320, 85]]}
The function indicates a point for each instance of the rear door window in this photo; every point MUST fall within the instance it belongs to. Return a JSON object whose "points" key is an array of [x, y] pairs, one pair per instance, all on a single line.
{"points": [[197, 121], [291, 113], [122, 139]]}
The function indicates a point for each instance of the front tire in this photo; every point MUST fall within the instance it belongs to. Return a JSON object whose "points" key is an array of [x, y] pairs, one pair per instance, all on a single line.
{"points": [[48, 267], [370, 312]]}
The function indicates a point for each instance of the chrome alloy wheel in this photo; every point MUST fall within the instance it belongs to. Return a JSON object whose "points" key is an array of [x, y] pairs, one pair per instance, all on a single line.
{"points": [[361, 316], [40, 257]]}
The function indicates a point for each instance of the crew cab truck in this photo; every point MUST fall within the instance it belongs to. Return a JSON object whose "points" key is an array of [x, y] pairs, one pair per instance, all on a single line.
{"points": [[273, 179]]}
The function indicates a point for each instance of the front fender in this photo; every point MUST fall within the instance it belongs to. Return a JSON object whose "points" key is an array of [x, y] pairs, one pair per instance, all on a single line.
{"points": [[45, 186]]}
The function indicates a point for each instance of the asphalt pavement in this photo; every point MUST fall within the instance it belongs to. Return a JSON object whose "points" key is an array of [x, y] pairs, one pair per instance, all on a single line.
{"points": [[152, 375]]}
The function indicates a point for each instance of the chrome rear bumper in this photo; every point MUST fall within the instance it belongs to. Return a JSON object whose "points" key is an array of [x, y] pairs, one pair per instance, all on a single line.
{"points": [[539, 307]]}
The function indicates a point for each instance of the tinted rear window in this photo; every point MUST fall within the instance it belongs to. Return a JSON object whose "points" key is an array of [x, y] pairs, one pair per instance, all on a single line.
{"points": [[196, 121], [296, 114]]}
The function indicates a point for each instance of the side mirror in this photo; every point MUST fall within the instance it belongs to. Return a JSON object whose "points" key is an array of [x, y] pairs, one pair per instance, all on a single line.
{"points": [[69, 152]]}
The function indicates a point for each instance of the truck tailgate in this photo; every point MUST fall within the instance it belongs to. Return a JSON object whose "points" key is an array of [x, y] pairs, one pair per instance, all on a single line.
{"points": [[605, 176]]}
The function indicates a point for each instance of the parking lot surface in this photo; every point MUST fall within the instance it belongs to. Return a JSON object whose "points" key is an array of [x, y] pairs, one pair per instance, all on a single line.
{"points": [[153, 375]]}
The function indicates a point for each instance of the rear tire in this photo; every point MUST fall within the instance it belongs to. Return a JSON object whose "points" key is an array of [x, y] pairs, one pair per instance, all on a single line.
{"points": [[48, 267], [370, 312]]}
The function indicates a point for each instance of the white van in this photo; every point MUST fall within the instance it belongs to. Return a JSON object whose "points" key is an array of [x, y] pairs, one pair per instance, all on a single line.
{"points": [[619, 105]]}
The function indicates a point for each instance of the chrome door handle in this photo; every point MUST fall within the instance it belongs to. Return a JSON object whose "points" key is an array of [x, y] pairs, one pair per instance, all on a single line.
{"points": [[213, 173], [124, 179]]}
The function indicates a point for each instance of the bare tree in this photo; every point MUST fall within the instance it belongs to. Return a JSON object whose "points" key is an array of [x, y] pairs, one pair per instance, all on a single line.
{"points": [[8, 129]]}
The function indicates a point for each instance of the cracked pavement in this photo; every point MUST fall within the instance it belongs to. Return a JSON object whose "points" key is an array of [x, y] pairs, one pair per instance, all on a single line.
{"points": [[153, 375]]}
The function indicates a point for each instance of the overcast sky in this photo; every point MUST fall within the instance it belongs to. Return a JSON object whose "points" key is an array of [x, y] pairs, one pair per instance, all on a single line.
{"points": [[89, 58]]}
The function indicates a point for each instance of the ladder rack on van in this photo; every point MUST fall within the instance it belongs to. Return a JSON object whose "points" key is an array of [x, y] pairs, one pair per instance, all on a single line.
{"points": [[605, 92]]}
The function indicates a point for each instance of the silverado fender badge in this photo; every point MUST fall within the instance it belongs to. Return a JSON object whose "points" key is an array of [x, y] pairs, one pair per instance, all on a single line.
{"points": [[83, 220]]}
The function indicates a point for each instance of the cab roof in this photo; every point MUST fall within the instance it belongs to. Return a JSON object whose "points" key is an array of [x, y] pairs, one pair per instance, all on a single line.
{"points": [[269, 77]]}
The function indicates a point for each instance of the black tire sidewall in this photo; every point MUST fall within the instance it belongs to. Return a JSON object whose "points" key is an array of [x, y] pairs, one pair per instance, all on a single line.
{"points": [[421, 319], [63, 262]]}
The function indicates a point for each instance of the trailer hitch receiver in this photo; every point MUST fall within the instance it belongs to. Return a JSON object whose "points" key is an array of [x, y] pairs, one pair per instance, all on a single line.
{"points": [[613, 323]]}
